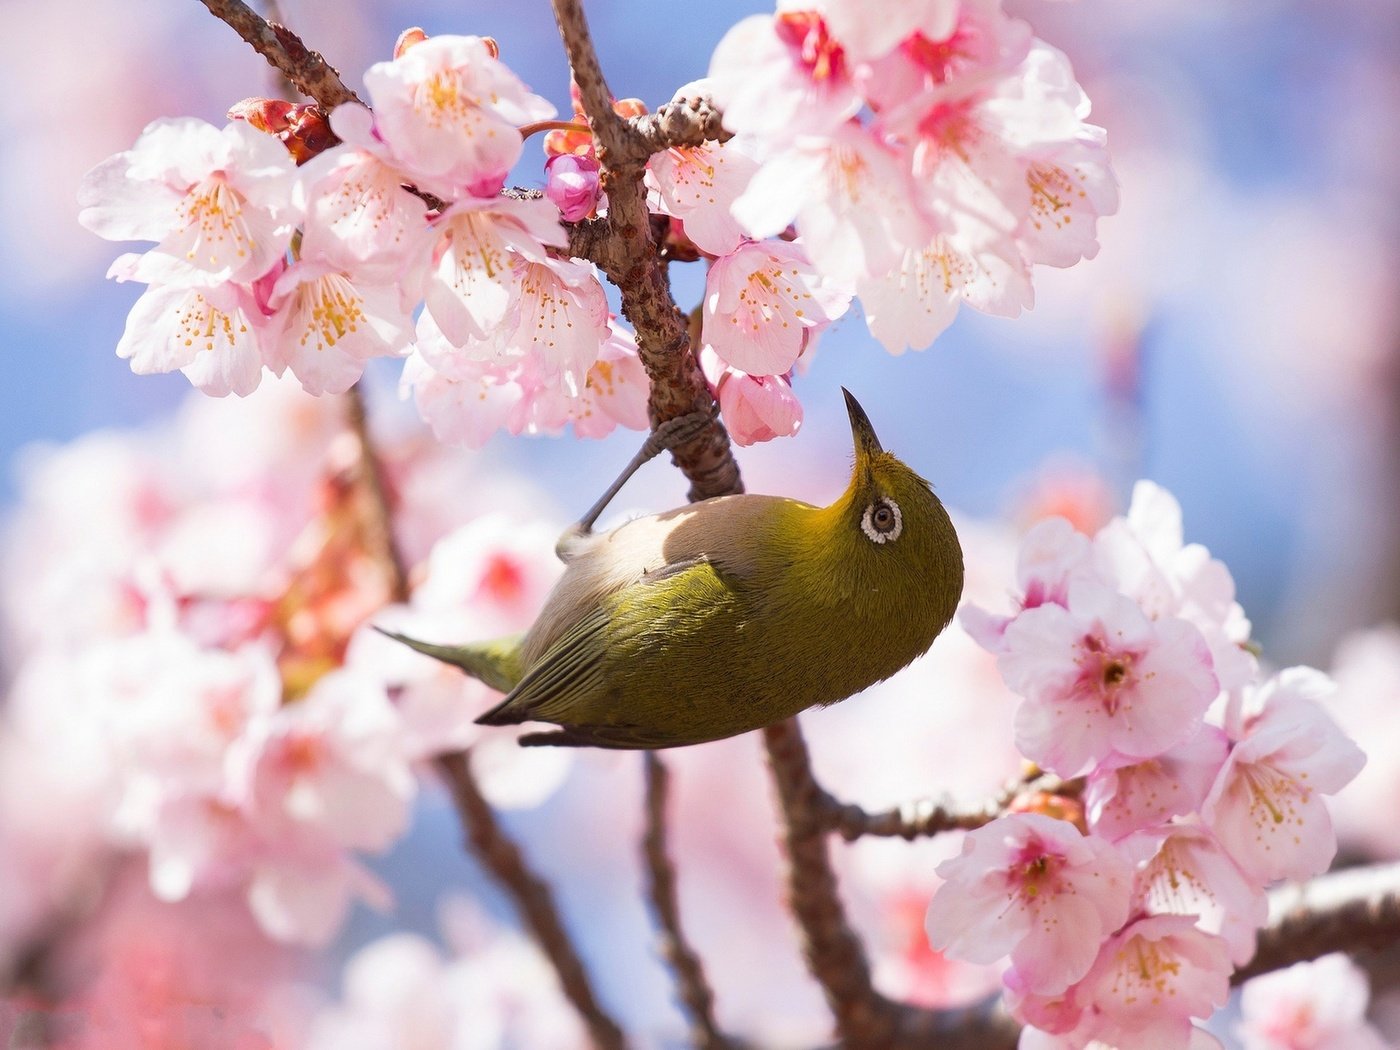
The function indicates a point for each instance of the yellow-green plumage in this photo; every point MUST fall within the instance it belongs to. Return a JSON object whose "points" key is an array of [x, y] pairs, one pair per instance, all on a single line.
{"points": [[730, 614]]}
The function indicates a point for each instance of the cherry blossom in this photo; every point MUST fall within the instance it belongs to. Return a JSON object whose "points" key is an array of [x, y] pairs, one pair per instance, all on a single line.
{"points": [[1120, 799], [358, 212], [1149, 980], [401, 991], [755, 408], [1036, 888], [478, 275], [852, 200], [1100, 679], [325, 326], [448, 108], [217, 336], [572, 183], [1266, 804], [1317, 1005], [217, 200], [778, 77], [1186, 872], [698, 185], [870, 30], [1145, 554], [761, 303]]}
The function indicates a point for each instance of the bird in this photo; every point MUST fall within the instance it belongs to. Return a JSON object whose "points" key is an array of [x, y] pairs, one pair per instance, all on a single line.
{"points": [[729, 614]]}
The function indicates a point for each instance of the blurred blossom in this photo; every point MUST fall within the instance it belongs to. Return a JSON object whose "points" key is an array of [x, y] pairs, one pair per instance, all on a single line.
{"points": [[1309, 1006], [1366, 705], [400, 991]]}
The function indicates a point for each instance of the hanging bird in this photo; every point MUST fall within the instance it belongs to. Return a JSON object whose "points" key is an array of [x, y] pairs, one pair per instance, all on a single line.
{"points": [[730, 614]]}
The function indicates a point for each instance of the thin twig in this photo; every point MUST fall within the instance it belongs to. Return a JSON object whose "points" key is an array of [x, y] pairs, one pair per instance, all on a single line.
{"points": [[924, 818], [503, 859], [695, 994], [629, 256], [313, 76], [834, 953]]}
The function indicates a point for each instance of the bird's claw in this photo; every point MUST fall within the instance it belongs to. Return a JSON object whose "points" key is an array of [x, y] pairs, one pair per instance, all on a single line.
{"points": [[673, 433]]}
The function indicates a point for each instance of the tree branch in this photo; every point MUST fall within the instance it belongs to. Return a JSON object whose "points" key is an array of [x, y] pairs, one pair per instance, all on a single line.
{"points": [[312, 75], [924, 818], [629, 256], [1340, 912], [503, 859], [695, 994], [834, 953], [690, 121]]}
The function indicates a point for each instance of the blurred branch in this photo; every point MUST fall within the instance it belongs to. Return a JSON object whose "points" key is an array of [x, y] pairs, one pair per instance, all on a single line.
{"points": [[625, 251], [379, 519], [923, 818], [503, 859], [498, 854], [696, 996], [1357, 908], [834, 953], [312, 75]]}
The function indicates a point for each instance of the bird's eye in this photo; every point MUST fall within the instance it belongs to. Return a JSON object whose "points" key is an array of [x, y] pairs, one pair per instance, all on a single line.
{"points": [[882, 521]]}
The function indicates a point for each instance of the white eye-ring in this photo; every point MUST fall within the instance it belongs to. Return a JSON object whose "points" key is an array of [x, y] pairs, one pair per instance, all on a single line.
{"points": [[882, 521]]}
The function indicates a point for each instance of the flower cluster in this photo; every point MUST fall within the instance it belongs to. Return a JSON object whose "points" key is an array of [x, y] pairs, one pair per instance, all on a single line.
{"points": [[926, 155], [1204, 783], [927, 163], [196, 684], [261, 265]]}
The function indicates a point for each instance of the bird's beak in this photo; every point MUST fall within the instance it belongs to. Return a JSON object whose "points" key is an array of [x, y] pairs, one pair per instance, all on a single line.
{"points": [[867, 444]]}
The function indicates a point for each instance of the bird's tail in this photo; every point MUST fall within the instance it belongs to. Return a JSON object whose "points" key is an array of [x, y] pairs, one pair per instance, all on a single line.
{"points": [[496, 663]]}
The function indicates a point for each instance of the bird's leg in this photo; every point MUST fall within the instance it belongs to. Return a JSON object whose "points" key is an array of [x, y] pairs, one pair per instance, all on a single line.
{"points": [[668, 435]]}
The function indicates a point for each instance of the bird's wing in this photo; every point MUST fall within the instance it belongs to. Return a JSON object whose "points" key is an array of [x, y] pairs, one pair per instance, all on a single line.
{"points": [[570, 685]]}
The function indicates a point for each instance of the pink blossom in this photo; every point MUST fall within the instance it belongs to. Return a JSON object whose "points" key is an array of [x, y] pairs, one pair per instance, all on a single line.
{"points": [[571, 182], [869, 29], [469, 404], [912, 304], [1124, 798], [1035, 888], [1367, 707], [326, 326], [1146, 556], [448, 109], [1266, 805], [215, 335], [400, 991], [1101, 680], [778, 77], [755, 408], [1184, 871], [1317, 1005], [478, 274], [698, 184], [761, 303], [1051, 554], [358, 212], [331, 765], [852, 199], [1149, 980], [217, 200]]}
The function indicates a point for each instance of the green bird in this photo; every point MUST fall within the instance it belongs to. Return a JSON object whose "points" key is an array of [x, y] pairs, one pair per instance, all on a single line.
{"points": [[729, 614]]}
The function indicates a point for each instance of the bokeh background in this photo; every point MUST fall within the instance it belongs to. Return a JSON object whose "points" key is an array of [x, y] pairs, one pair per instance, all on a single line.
{"points": [[1235, 340]]}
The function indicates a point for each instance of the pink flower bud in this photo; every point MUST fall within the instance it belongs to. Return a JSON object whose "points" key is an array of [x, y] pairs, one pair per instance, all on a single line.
{"points": [[572, 184]]}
